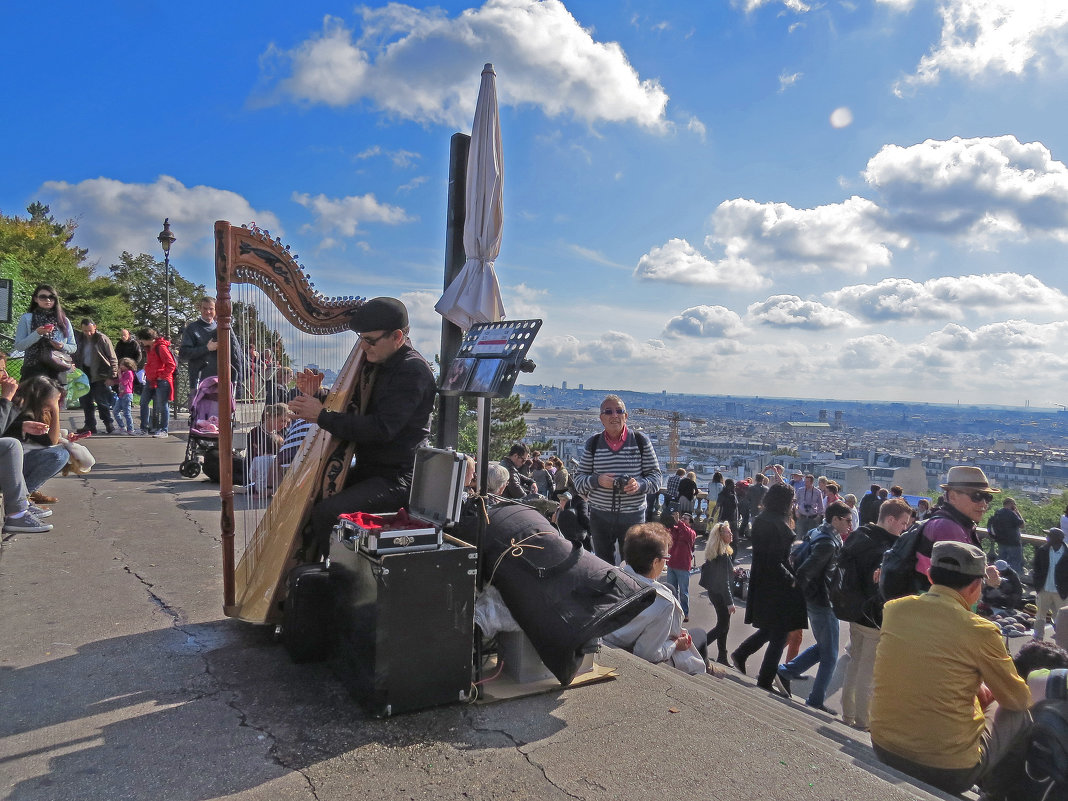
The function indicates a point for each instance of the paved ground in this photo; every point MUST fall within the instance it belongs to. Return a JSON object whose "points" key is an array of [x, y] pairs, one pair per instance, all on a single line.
{"points": [[121, 679]]}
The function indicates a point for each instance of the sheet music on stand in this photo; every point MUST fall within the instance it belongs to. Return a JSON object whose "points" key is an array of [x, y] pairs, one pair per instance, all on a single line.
{"points": [[490, 358]]}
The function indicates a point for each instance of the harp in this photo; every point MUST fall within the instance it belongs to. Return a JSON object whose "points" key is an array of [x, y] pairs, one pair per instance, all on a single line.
{"points": [[263, 292]]}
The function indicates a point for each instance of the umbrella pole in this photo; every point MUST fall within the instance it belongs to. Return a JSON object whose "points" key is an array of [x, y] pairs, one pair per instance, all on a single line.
{"points": [[451, 335]]}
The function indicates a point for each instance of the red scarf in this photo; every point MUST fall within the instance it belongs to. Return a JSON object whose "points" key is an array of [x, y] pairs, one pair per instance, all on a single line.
{"points": [[615, 445]]}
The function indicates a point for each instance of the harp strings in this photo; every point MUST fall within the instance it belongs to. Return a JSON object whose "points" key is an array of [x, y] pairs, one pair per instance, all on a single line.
{"points": [[274, 350]]}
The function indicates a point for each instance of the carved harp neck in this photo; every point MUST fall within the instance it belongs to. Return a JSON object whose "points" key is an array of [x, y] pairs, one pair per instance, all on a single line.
{"points": [[248, 255]]}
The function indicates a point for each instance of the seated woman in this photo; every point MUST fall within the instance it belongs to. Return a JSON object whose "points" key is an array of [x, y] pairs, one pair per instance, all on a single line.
{"points": [[37, 401], [264, 443], [656, 634]]}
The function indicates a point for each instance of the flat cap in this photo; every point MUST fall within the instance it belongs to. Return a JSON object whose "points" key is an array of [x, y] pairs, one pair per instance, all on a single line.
{"points": [[379, 314], [959, 557]]}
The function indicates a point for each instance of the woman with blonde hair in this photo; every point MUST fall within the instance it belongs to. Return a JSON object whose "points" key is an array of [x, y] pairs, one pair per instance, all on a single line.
{"points": [[716, 575]]}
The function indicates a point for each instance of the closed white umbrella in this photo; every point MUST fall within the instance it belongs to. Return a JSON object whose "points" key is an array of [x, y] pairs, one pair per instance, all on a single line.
{"points": [[474, 296]]}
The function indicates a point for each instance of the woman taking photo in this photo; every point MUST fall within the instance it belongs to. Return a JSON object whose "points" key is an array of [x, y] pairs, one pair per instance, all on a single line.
{"points": [[45, 329], [37, 426]]}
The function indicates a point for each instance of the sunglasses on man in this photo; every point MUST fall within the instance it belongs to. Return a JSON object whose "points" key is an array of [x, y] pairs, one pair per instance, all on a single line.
{"points": [[610, 412]]}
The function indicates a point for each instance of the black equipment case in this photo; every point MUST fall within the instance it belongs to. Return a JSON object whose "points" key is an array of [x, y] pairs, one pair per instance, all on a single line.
{"points": [[405, 615]]}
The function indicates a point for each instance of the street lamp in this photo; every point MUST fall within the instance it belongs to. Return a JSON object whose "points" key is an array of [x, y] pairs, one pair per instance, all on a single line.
{"points": [[166, 239]]}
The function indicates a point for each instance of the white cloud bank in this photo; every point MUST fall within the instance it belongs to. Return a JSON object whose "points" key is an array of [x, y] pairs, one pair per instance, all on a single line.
{"points": [[982, 189], [949, 297], [114, 216], [705, 322], [790, 311], [345, 215], [980, 37], [423, 65]]}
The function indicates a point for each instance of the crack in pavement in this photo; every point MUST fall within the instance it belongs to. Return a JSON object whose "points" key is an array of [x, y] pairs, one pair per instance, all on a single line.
{"points": [[272, 749], [518, 745]]}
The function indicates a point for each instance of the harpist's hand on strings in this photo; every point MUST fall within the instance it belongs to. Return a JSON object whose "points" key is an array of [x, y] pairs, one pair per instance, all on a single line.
{"points": [[305, 407], [309, 382]]}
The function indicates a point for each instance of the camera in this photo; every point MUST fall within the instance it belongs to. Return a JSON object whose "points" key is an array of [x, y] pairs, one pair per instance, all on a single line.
{"points": [[620, 482]]}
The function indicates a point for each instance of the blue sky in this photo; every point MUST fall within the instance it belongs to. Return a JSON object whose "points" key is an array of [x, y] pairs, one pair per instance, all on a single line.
{"points": [[863, 199]]}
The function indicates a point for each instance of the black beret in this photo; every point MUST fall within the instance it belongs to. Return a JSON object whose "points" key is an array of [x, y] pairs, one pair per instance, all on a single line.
{"points": [[379, 314]]}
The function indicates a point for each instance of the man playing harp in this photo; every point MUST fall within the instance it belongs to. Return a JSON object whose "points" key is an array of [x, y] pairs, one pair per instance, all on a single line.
{"points": [[387, 419]]}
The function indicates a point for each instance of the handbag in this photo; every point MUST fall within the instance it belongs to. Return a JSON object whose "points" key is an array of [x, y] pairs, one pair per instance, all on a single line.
{"points": [[59, 360]]}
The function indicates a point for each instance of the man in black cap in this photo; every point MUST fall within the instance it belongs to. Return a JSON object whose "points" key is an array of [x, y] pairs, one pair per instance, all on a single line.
{"points": [[387, 419], [939, 669]]}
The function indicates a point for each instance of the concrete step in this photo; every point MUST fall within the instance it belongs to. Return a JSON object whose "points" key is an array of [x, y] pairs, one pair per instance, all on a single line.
{"points": [[820, 735]]}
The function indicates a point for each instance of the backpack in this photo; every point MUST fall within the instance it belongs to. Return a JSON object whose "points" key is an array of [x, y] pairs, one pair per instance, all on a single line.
{"points": [[847, 597], [1046, 765], [800, 553], [897, 574]]}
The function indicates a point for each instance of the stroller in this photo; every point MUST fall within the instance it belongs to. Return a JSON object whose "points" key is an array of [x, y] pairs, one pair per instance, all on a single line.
{"points": [[202, 448]]}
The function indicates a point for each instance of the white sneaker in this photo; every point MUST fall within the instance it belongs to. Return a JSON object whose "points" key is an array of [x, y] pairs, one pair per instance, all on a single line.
{"points": [[27, 524], [40, 511], [161, 435]]}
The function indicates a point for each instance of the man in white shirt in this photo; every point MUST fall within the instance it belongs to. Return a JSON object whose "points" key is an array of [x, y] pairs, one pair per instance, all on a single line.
{"points": [[1051, 579]]}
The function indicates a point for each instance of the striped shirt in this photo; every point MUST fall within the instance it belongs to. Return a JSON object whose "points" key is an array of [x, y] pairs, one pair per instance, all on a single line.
{"points": [[635, 459]]}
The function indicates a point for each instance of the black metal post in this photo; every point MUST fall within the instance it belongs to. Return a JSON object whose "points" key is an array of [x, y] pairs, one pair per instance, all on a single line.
{"points": [[451, 335]]}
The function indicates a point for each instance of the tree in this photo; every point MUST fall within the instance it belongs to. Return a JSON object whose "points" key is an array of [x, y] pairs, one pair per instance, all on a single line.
{"points": [[38, 250], [142, 283], [506, 424]]}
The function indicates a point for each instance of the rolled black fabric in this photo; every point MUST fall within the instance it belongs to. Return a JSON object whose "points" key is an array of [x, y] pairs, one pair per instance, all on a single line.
{"points": [[562, 596]]}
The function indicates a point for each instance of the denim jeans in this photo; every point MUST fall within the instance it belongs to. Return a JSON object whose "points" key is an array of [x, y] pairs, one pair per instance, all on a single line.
{"points": [[679, 581], [161, 413], [41, 464], [12, 481], [1013, 554], [824, 627], [121, 411]]}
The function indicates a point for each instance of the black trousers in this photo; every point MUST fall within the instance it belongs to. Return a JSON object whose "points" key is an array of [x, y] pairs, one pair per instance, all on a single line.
{"points": [[100, 396], [718, 635], [776, 642], [366, 494]]}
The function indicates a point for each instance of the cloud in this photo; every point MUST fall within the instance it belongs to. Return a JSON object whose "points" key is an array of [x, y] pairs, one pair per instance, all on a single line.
{"points": [[786, 81], [749, 6], [422, 65], [523, 302], [610, 348], [677, 261], [400, 158], [417, 181], [595, 256], [694, 125], [949, 297], [790, 311], [981, 188], [114, 216], [998, 337], [706, 322], [1001, 37], [346, 214], [851, 236]]}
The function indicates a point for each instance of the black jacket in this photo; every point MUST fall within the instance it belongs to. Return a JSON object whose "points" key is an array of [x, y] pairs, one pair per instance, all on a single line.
{"points": [[204, 363], [1005, 525], [397, 417], [775, 601], [869, 508], [1060, 576], [819, 571], [861, 555]]}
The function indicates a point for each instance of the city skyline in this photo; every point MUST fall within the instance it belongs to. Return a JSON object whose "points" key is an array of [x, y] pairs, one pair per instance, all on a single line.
{"points": [[770, 198]]}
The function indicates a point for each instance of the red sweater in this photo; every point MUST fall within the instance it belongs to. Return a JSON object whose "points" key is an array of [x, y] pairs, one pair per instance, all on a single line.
{"points": [[160, 364], [682, 541]]}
